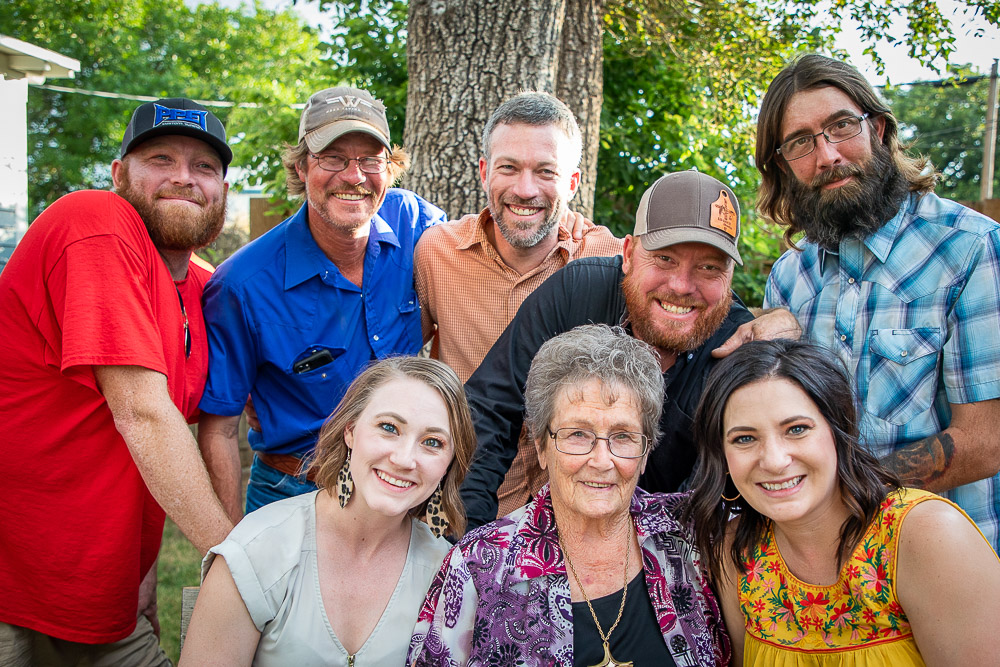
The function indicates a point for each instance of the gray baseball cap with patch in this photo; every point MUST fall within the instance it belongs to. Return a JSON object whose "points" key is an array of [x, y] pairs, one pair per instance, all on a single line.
{"points": [[334, 112], [688, 206]]}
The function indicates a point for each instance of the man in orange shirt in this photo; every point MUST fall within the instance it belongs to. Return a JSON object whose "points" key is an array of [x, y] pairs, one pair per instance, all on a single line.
{"points": [[472, 275]]}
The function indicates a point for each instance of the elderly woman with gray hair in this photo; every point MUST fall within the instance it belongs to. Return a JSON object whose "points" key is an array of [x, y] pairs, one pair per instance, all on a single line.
{"points": [[593, 571]]}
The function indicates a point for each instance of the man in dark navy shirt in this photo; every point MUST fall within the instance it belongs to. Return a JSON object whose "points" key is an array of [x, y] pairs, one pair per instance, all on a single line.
{"points": [[671, 288], [295, 316]]}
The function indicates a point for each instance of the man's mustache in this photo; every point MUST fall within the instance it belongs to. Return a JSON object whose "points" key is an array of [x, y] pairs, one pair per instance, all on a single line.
{"points": [[534, 202], [182, 193], [351, 190], [838, 173], [679, 300]]}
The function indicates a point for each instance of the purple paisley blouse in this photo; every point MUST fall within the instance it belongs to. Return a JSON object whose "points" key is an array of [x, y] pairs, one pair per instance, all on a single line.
{"points": [[502, 597]]}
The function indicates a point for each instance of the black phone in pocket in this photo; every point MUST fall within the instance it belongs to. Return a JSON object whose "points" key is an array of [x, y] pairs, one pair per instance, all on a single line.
{"points": [[312, 362]]}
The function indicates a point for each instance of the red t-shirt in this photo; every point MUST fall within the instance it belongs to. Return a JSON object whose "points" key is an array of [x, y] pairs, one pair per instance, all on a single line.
{"points": [[78, 528]]}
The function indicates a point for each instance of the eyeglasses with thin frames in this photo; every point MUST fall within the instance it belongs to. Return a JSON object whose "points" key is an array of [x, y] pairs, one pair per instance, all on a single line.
{"points": [[370, 164], [839, 130], [580, 441]]}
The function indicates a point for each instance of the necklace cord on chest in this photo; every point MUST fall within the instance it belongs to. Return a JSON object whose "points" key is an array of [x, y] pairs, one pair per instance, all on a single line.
{"points": [[608, 660]]}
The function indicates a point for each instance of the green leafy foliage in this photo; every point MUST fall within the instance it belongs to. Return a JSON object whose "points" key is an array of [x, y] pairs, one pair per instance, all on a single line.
{"points": [[919, 25], [760, 245], [947, 123], [231, 239], [248, 56], [681, 86], [369, 45]]}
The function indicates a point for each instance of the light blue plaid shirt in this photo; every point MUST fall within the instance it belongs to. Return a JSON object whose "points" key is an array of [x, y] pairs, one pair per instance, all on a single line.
{"points": [[913, 311]]}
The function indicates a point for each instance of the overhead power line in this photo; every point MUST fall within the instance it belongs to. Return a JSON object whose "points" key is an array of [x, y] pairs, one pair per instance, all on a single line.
{"points": [[942, 83], [938, 83], [149, 98]]}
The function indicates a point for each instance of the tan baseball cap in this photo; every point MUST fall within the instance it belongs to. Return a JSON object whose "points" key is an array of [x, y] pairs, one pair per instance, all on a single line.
{"points": [[334, 112], [688, 206]]}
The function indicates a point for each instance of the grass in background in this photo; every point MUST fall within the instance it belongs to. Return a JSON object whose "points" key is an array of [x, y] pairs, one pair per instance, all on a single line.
{"points": [[180, 566]]}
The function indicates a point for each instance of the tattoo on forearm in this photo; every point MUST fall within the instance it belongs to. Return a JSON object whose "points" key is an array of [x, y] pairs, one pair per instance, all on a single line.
{"points": [[924, 461]]}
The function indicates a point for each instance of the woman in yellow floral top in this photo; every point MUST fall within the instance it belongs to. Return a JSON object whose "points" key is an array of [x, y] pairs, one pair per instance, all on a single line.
{"points": [[818, 556]]}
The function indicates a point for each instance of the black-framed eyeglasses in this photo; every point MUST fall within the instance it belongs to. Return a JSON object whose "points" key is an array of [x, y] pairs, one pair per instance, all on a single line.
{"points": [[371, 164], [839, 130], [579, 441]]}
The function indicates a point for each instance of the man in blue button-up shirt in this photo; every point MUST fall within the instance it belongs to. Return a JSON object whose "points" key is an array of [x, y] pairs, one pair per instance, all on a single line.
{"points": [[295, 315], [902, 285]]}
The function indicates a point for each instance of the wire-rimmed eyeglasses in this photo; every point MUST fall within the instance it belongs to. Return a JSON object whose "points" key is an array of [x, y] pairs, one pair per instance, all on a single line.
{"points": [[371, 164], [579, 441], [839, 130]]}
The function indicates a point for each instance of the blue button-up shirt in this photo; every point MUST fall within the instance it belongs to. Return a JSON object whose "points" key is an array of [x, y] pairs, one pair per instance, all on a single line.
{"points": [[280, 300], [913, 311]]}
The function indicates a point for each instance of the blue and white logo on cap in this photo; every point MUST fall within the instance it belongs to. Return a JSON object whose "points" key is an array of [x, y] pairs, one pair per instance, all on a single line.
{"points": [[186, 116]]}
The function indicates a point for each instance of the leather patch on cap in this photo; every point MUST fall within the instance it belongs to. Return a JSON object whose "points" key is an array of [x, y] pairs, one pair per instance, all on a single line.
{"points": [[724, 214]]}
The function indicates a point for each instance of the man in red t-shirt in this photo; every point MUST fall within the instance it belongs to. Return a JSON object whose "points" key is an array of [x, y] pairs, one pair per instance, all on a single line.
{"points": [[103, 358]]}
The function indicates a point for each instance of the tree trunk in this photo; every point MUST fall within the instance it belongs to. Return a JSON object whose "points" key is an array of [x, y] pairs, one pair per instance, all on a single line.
{"points": [[466, 56], [580, 84]]}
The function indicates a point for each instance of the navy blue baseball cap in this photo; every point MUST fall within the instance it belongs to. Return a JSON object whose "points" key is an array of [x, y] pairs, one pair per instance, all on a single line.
{"points": [[177, 115]]}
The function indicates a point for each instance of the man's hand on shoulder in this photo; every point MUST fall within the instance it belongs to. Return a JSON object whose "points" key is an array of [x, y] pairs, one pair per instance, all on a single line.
{"points": [[768, 325], [576, 223]]}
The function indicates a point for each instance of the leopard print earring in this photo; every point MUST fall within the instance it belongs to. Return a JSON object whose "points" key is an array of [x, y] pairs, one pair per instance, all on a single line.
{"points": [[345, 483], [435, 517]]}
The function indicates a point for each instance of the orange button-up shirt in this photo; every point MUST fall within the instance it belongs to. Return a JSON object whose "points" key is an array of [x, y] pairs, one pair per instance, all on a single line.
{"points": [[468, 296]]}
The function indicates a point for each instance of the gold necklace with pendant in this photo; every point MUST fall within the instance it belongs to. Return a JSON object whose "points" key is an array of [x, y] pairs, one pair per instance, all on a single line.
{"points": [[608, 660]]}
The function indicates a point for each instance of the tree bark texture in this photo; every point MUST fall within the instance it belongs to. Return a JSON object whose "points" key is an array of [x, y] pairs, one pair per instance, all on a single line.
{"points": [[580, 84], [464, 57]]}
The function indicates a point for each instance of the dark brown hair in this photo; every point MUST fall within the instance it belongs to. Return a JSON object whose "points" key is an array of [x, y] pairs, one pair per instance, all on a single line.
{"points": [[807, 73], [864, 484]]}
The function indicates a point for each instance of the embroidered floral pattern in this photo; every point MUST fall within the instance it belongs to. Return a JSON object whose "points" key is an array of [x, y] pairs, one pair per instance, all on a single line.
{"points": [[861, 608], [502, 596]]}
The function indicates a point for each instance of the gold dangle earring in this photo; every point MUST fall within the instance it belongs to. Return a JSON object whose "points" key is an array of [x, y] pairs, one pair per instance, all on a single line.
{"points": [[345, 483], [723, 494]]}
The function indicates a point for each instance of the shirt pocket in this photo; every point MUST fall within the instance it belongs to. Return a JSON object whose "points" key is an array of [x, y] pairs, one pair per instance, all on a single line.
{"points": [[903, 376], [315, 368], [408, 303], [405, 333]]}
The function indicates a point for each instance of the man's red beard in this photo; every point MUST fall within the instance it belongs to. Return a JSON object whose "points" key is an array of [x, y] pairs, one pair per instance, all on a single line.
{"points": [[672, 336], [176, 230]]}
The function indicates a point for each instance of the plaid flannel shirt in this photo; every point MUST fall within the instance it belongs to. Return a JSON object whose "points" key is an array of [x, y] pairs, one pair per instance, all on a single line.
{"points": [[913, 311]]}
